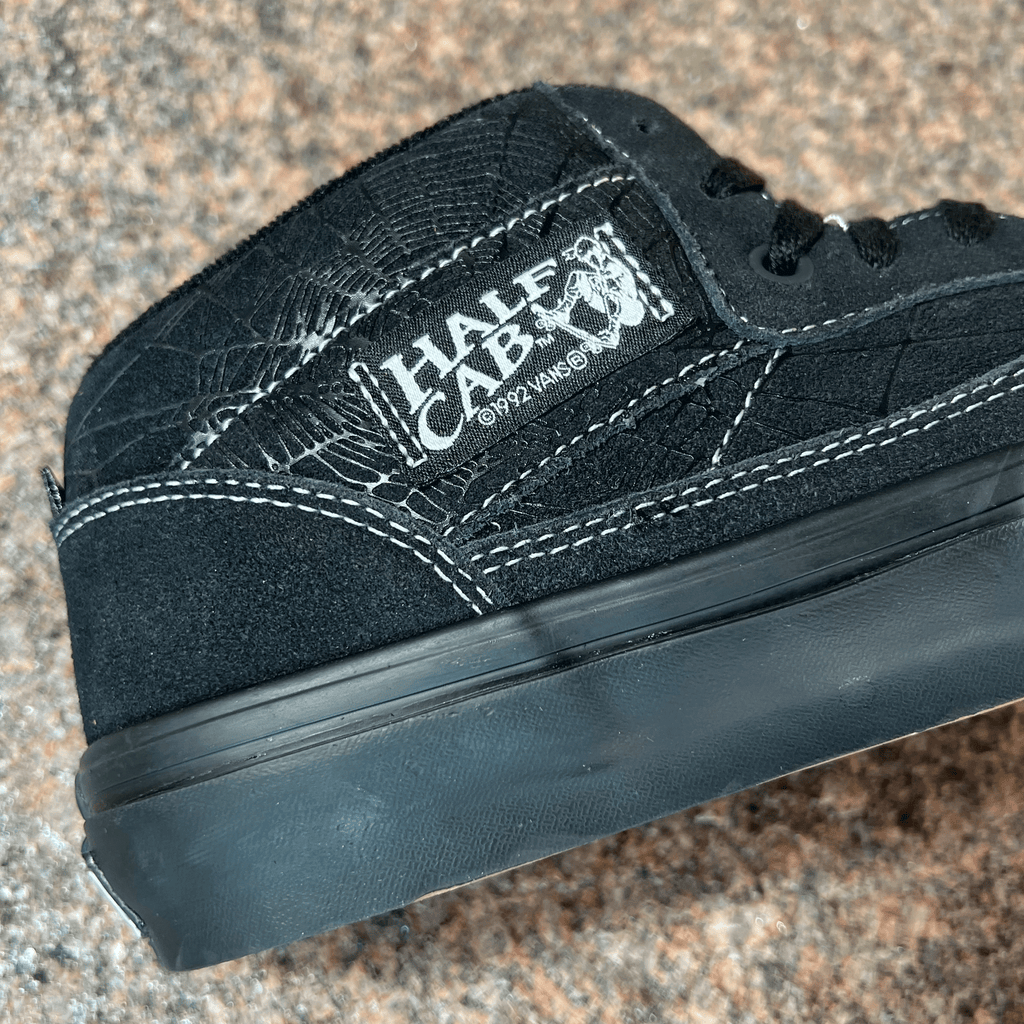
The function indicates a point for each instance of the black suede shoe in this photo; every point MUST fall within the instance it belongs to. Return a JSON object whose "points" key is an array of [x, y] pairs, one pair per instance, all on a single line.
{"points": [[536, 479]]}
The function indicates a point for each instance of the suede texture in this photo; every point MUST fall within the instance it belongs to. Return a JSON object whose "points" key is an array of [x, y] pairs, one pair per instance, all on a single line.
{"points": [[237, 512], [188, 587], [742, 412], [314, 423], [727, 503], [179, 375], [719, 235]]}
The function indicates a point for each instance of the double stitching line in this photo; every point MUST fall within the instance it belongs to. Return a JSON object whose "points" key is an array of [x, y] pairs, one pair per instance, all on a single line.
{"points": [[593, 427], [568, 542], [82, 515], [896, 222], [388, 529]]}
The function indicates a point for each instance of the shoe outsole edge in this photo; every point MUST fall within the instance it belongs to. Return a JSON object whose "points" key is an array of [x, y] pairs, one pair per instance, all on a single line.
{"points": [[295, 807]]}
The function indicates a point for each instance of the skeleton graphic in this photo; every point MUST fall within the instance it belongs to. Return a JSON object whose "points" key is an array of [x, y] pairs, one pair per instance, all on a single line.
{"points": [[605, 283]]}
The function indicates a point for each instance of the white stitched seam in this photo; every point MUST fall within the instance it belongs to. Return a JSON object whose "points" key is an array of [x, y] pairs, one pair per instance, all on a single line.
{"points": [[897, 222], [910, 218], [314, 351], [666, 306], [807, 327], [765, 467], [747, 402], [902, 222], [654, 388], [601, 135], [409, 460], [66, 530]]}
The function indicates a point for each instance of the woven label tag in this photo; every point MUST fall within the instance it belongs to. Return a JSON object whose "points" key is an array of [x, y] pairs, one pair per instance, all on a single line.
{"points": [[528, 334]]}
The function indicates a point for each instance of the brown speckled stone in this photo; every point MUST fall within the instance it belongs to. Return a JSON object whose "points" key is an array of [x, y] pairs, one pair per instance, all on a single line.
{"points": [[139, 140]]}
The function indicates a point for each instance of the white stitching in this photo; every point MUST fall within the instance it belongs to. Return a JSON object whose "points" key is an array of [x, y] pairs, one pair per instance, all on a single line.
{"points": [[897, 222], [838, 220], [138, 489], [764, 467], [711, 356], [601, 135], [409, 460], [807, 327], [902, 222], [666, 306], [66, 529], [211, 435], [747, 402]]}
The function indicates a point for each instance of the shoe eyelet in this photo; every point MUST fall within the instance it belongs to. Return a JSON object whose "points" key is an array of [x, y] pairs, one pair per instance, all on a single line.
{"points": [[804, 268]]}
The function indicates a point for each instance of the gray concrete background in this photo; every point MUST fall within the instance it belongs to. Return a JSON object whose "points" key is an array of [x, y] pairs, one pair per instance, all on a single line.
{"points": [[139, 141]]}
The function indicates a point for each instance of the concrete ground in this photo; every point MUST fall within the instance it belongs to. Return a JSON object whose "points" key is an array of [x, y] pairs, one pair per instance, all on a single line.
{"points": [[139, 141]]}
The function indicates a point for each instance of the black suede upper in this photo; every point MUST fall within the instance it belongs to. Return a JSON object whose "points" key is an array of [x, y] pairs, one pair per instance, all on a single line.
{"points": [[242, 501], [182, 372], [184, 589], [845, 291]]}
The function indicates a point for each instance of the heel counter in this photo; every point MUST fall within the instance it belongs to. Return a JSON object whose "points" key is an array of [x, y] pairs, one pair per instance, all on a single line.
{"points": [[182, 590]]}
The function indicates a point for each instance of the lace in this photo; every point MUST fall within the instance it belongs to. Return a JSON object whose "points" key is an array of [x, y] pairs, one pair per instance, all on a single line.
{"points": [[967, 223], [796, 229]]}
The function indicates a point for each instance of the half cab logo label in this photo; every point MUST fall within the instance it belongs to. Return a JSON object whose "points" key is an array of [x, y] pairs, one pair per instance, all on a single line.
{"points": [[486, 360]]}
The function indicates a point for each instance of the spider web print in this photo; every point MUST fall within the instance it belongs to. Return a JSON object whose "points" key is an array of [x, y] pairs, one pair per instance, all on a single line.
{"points": [[173, 383], [809, 392], [317, 423]]}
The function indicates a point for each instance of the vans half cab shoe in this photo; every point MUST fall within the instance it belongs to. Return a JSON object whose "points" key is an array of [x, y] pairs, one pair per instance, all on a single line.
{"points": [[536, 479]]}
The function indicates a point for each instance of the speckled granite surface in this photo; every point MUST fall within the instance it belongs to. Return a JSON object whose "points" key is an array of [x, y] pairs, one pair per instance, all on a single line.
{"points": [[141, 140]]}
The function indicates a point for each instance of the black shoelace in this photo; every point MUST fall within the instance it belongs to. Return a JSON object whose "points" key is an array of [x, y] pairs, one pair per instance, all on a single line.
{"points": [[797, 229]]}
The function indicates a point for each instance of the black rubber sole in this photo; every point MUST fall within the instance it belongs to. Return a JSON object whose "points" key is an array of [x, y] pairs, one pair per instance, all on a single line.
{"points": [[291, 808]]}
